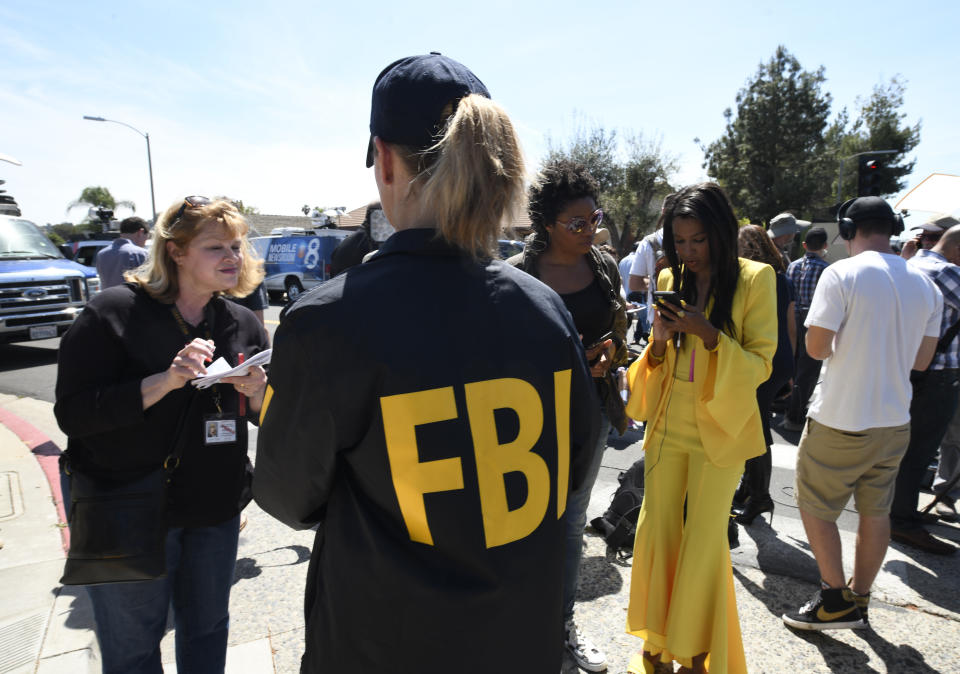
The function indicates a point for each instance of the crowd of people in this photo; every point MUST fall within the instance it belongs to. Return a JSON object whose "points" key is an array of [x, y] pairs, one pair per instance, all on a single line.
{"points": [[448, 473]]}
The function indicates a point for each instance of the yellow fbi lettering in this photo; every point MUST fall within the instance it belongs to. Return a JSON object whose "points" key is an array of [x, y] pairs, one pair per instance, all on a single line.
{"points": [[412, 478]]}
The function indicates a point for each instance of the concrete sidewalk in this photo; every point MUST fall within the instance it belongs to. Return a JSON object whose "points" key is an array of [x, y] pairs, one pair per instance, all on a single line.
{"points": [[44, 627]]}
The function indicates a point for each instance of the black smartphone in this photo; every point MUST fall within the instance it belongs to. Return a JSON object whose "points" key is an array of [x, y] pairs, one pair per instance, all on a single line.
{"points": [[671, 297], [597, 343]]}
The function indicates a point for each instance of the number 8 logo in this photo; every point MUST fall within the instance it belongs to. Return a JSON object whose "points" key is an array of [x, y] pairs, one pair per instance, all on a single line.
{"points": [[313, 254]]}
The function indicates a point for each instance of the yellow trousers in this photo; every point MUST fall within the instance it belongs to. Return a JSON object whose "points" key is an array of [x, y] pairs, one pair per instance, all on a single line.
{"points": [[682, 600]]}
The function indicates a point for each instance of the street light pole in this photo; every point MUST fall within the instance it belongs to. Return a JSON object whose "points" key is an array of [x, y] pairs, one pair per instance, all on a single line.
{"points": [[153, 203]]}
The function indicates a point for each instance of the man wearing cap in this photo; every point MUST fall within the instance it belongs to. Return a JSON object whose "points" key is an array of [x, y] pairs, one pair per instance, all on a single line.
{"points": [[804, 274], [927, 235], [858, 427], [935, 397], [783, 228]]}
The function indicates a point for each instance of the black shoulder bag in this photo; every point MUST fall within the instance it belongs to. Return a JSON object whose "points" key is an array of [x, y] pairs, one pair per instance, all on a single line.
{"points": [[944, 342], [118, 527]]}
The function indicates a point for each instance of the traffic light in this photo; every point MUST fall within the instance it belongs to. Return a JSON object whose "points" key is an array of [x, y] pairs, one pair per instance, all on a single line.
{"points": [[868, 176]]}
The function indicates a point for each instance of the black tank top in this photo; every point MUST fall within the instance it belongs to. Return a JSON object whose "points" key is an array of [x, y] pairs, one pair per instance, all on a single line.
{"points": [[591, 312]]}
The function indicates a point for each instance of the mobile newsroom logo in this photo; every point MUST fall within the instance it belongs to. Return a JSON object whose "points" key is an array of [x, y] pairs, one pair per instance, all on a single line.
{"points": [[34, 293], [286, 251]]}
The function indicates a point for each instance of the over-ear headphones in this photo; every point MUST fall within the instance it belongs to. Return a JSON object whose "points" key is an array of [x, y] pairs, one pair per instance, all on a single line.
{"points": [[847, 228]]}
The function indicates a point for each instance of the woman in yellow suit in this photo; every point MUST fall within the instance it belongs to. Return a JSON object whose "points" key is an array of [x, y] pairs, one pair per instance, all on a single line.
{"points": [[695, 386]]}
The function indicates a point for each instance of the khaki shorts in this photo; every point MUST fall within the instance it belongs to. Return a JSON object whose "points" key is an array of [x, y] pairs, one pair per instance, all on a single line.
{"points": [[833, 464]]}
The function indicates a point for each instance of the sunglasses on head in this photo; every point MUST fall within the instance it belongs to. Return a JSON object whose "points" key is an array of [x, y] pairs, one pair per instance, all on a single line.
{"points": [[577, 224], [190, 202]]}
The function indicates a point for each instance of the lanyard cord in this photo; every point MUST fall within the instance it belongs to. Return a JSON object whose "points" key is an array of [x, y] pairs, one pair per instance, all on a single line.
{"points": [[185, 329]]}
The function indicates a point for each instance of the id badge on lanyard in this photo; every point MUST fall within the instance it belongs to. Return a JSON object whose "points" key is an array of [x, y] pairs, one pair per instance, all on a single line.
{"points": [[219, 428]]}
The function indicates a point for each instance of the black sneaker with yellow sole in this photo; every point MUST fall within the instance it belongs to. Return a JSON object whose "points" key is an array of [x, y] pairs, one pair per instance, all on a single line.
{"points": [[830, 609]]}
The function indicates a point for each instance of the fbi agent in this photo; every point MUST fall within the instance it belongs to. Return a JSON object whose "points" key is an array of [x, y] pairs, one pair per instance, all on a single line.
{"points": [[436, 464]]}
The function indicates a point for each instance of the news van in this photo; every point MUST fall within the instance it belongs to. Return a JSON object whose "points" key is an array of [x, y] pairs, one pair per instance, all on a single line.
{"points": [[296, 263]]}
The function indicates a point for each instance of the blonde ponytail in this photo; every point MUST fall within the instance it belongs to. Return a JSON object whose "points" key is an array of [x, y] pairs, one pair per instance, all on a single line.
{"points": [[472, 181]]}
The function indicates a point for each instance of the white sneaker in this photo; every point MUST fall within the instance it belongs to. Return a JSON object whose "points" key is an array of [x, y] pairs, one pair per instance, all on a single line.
{"points": [[587, 655]]}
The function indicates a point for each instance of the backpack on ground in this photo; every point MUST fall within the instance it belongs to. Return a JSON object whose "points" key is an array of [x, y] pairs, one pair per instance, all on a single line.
{"points": [[618, 525]]}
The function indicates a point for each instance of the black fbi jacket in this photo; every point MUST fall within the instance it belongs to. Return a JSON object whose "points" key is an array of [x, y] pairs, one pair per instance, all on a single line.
{"points": [[430, 412]]}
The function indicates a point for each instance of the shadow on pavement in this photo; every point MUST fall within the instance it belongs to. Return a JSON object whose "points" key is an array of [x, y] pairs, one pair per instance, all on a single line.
{"points": [[628, 439], [776, 556], [775, 599], [598, 578], [930, 581], [248, 567], [80, 612], [22, 357], [903, 658]]}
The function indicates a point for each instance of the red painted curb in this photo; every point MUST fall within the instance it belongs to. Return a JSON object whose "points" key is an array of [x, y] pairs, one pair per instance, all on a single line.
{"points": [[48, 455]]}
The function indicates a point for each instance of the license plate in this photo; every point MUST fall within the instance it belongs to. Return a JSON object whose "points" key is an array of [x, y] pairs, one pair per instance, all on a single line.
{"points": [[43, 331]]}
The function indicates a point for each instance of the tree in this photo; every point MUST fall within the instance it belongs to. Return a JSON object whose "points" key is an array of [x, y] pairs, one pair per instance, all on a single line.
{"points": [[879, 126], [99, 197], [630, 187], [772, 156], [246, 210], [646, 177]]}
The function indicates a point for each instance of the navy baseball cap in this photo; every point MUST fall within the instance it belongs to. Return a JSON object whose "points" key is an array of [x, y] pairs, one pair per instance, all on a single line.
{"points": [[409, 96]]}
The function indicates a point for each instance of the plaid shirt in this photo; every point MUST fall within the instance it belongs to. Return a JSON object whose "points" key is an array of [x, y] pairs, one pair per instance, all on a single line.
{"points": [[947, 278], [804, 274]]}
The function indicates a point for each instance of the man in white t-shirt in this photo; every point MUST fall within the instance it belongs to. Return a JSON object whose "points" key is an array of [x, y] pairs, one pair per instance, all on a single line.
{"points": [[641, 276], [625, 265], [642, 273], [873, 319]]}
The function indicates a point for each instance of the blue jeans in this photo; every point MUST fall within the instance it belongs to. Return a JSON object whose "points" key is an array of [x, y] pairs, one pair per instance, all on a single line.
{"points": [[576, 520], [131, 617]]}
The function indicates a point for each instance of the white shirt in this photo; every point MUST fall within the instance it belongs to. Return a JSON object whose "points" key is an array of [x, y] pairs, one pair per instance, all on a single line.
{"points": [[881, 308], [626, 264], [644, 264]]}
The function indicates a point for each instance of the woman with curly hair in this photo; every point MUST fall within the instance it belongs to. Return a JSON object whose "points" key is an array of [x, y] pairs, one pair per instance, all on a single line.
{"points": [[753, 496], [711, 345], [564, 213]]}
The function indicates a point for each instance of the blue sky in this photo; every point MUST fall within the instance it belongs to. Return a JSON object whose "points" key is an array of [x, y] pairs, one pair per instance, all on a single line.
{"points": [[269, 102]]}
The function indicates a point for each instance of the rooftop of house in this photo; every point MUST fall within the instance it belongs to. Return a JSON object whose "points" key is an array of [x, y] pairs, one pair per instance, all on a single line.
{"points": [[262, 224]]}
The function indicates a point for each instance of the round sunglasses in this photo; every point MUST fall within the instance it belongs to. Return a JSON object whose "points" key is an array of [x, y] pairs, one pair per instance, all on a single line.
{"points": [[577, 223]]}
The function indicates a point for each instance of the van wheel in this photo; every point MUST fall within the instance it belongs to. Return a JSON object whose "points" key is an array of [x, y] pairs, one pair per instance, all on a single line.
{"points": [[294, 289]]}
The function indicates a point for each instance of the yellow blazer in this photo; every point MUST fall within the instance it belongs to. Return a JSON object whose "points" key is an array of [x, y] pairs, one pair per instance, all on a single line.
{"points": [[726, 379]]}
